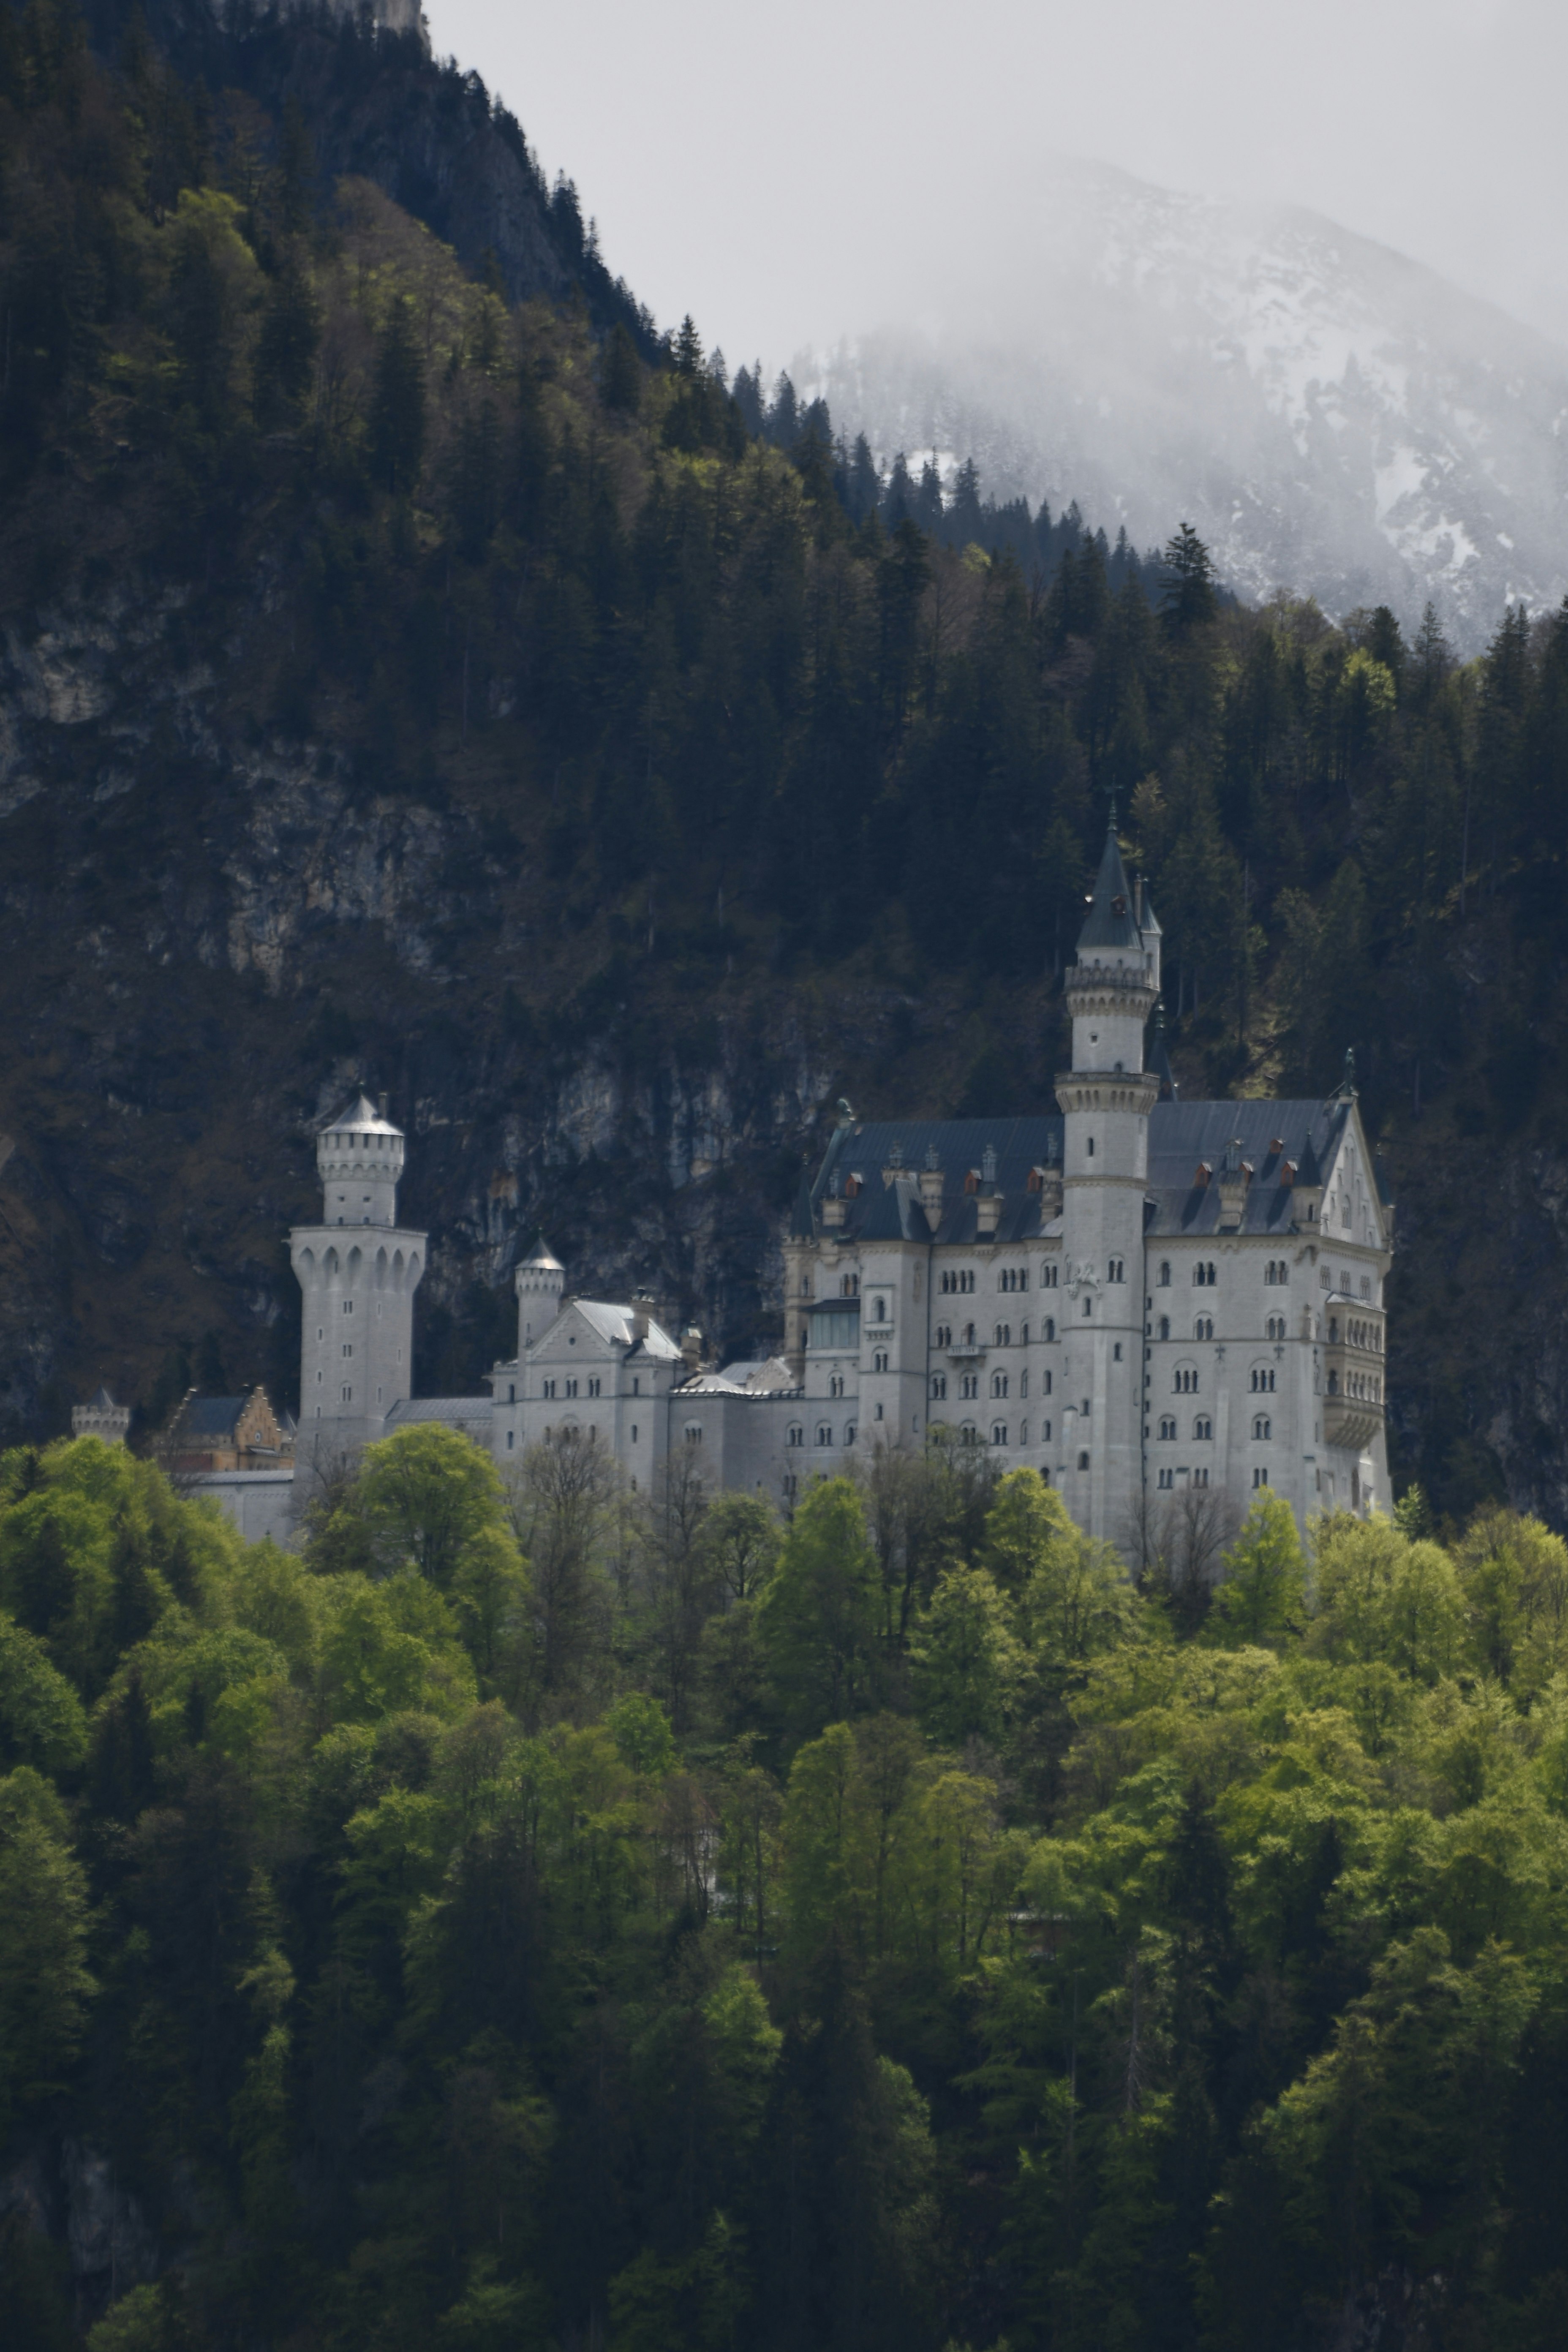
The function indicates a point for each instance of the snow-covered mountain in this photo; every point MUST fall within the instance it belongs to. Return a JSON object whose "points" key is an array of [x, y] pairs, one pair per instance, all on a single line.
{"points": [[1332, 416]]}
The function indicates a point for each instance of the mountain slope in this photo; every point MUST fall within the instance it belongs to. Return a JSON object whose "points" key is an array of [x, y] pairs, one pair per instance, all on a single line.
{"points": [[1330, 414]]}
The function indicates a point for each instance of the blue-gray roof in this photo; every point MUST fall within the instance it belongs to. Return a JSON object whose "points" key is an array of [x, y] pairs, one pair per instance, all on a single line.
{"points": [[1181, 1135]]}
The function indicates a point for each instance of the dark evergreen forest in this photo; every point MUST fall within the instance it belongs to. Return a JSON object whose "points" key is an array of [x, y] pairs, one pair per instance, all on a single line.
{"points": [[545, 1916]]}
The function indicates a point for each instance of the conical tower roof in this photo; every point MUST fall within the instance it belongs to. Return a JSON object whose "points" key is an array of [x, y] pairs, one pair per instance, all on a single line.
{"points": [[543, 1257], [1112, 922], [360, 1117]]}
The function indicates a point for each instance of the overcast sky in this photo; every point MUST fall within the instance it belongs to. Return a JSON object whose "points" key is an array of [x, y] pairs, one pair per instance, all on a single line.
{"points": [[779, 171]]}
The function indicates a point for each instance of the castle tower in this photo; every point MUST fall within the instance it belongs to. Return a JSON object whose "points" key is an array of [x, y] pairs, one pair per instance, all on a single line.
{"points": [[1106, 1099], [358, 1271], [540, 1279]]}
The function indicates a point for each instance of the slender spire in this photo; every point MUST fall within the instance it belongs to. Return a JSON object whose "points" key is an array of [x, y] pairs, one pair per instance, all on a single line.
{"points": [[1112, 922]]}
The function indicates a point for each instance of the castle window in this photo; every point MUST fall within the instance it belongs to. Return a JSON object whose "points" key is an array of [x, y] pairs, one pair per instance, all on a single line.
{"points": [[835, 1385], [571, 1387], [1049, 1332], [968, 1335], [1116, 1270], [348, 1306], [1083, 1461], [592, 1388], [796, 1435], [998, 1384], [510, 1438], [824, 1432], [1167, 1428], [1186, 1383], [1164, 1274], [998, 1432], [968, 1435], [1203, 1274], [1023, 1433], [1092, 1147], [511, 1393], [1202, 1428], [937, 1387], [634, 1432], [1200, 1477], [1262, 1427], [1085, 1408], [1088, 1303], [1203, 1328], [1167, 1478], [1045, 1434], [1023, 1335], [1116, 1352], [1261, 1380], [547, 1388], [1164, 1327], [1274, 1329], [348, 1346], [636, 1385], [1023, 1384], [1045, 1383], [879, 1361], [348, 1396], [1047, 1277], [1003, 1335], [694, 1432], [944, 1334], [848, 1432], [878, 1310], [969, 1385], [1260, 1476]]}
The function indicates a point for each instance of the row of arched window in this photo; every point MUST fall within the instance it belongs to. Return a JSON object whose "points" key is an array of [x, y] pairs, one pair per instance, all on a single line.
{"points": [[941, 1336], [1202, 1428]]}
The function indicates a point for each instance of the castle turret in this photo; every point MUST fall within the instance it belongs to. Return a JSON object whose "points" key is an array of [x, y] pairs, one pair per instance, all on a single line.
{"points": [[1106, 1099], [358, 1271], [541, 1280]]}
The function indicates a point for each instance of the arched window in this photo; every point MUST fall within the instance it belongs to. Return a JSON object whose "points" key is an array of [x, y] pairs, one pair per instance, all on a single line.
{"points": [[969, 1384], [1165, 1481], [944, 1334], [848, 1432], [835, 1385], [998, 1432], [1083, 1458], [1023, 1433], [1200, 1477], [998, 1384], [824, 1432], [938, 1386], [1167, 1428], [1045, 1440], [1045, 1383], [694, 1432], [1262, 1427], [968, 1335], [879, 1361], [969, 1435], [1164, 1327], [1050, 1331], [1023, 1335], [1202, 1428], [1115, 1270], [1003, 1335], [878, 1310], [1049, 1277], [1274, 1327], [1204, 1277], [1164, 1274], [1260, 1476], [1203, 1328], [796, 1435], [1186, 1383], [1262, 1379]]}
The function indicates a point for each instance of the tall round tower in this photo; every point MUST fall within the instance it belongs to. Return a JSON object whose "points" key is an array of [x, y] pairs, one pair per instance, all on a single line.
{"points": [[1106, 1099], [540, 1279], [358, 1271]]}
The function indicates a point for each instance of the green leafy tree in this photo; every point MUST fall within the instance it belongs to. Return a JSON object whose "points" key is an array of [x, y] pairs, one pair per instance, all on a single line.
{"points": [[964, 1659], [1264, 1596], [818, 1617], [45, 1985], [398, 404]]}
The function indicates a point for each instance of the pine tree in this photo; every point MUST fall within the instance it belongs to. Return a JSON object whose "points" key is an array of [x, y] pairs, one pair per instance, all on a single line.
{"points": [[397, 407]]}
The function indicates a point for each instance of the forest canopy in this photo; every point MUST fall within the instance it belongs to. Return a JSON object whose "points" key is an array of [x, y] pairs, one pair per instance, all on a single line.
{"points": [[538, 1913]]}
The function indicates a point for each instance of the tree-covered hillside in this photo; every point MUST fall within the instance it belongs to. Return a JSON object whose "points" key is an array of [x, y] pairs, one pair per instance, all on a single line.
{"points": [[405, 685], [541, 1916]]}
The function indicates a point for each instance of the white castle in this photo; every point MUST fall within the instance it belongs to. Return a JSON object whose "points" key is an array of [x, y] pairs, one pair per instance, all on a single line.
{"points": [[1137, 1297]]}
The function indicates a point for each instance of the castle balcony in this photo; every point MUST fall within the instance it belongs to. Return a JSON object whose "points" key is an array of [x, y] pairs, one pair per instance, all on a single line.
{"points": [[963, 1348], [1119, 984], [1353, 1394]]}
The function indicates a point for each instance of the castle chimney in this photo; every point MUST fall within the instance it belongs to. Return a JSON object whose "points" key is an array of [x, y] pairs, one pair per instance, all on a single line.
{"points": [[381, 1105], [930, 1189], [642, 1310], [692, 1349]]}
